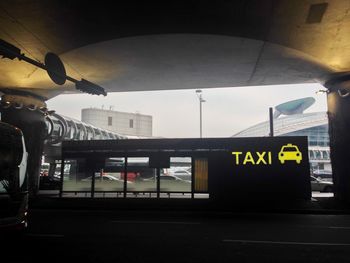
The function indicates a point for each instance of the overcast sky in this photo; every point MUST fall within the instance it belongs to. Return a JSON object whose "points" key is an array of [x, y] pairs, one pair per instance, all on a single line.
{"points": [[176, 112]]}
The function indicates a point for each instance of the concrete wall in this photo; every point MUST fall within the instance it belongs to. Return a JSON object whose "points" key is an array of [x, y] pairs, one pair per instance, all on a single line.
{"points": [[121, 122]]}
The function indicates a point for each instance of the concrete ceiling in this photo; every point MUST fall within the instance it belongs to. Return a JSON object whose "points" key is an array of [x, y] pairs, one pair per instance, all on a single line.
{"points": [[175, 45]]}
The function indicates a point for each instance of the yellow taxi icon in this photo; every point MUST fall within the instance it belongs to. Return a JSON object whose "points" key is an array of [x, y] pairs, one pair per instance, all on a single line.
{"points": [[290, 152]]}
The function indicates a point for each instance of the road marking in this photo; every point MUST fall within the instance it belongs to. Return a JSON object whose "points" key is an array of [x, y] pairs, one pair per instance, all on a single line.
{"points": [[339, 227], [46, 235], [323, 227], [284, 243], [155, 222]]}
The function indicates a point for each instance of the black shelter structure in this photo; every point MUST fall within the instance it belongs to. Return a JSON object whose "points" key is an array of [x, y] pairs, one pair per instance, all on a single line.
{"points": [[225, 169]]}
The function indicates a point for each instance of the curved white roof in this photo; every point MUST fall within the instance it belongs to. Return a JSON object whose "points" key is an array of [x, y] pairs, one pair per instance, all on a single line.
{"points": [[286, 124]]}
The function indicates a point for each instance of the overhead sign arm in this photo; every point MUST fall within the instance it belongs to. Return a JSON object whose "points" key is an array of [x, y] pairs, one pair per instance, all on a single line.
{"points": [[54, 67]]}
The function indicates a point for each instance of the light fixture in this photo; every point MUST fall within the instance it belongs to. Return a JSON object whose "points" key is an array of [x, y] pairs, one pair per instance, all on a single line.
{"points": [[89, 87], [201, 100], [321, 91]]}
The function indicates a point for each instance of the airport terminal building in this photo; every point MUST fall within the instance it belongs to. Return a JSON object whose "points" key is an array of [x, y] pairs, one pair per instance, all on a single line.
{"points": [[297, 123]]}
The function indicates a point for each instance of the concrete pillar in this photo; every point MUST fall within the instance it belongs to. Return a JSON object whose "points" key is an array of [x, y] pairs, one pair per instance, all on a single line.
{"points": [[21, 112], [338, 100]]}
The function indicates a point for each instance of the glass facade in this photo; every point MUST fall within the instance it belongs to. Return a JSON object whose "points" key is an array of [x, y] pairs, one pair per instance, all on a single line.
{"points": [[317, 136], [285, 125]]}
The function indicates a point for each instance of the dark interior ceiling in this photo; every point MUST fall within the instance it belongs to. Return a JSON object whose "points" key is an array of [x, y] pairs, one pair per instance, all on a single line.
{"points": [[65, 25], [281, 35]]}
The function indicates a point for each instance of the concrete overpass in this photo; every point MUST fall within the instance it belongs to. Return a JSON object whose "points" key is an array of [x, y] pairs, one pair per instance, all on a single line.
{"points": [[128, 47], [176, 45]]}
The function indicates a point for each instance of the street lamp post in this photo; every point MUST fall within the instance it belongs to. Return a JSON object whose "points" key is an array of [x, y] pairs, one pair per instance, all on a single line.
{"points": [[199, 95]]}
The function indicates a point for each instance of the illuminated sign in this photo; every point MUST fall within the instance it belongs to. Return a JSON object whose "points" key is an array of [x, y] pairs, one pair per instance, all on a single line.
{"points": [[254, 158], [288, 152], [265, 168]]}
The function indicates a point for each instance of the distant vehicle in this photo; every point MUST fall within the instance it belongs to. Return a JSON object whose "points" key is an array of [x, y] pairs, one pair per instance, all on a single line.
{"points": [[290, 152], [167, 178], [323, 175], [321, 185], [105, 178], [131, 176], [13, 178], [182, 174], [173, 178]]}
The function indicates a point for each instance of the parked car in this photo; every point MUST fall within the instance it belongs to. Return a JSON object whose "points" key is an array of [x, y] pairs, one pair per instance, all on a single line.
{"points": [[106, 177], [173, 178], [182, 174], [321, 185], [131, 176], [168, 178], [323, 175]]}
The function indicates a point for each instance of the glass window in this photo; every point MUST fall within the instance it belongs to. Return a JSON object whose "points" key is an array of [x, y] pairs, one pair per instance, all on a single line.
{"points": [[110, 121], [318, 154], [140, 177], [75, 178], [131, 123], [177, 178], [318, 136], [110, 177]]}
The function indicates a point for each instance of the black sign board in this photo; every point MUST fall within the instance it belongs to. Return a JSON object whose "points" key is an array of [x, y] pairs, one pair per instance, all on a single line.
{"points": [[239, 169], [261, 168]]}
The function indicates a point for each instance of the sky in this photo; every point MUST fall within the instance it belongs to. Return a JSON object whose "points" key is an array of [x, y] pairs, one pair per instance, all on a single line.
{"points": [[176, 112]]}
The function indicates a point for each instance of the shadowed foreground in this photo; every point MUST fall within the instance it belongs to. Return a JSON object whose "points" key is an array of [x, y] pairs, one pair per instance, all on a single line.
{"points": [[131, 236]]}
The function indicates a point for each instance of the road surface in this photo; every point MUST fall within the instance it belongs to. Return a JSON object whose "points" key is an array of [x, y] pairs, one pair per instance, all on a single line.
{"points": [[175, 236]]}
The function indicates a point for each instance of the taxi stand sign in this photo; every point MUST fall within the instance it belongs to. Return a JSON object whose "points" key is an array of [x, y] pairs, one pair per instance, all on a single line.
{"points": [[288, 152], [270, 168]]}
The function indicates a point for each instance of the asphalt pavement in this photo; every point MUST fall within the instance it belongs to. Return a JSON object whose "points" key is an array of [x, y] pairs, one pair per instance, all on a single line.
{"points": [[59, 235]]}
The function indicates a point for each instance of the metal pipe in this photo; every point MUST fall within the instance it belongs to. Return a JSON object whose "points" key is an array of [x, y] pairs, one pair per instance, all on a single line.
{"points": [[271, 121]]}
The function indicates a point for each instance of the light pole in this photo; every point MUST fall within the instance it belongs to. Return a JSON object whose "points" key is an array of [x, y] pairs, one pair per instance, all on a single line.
{"points": [[199, 95]]}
